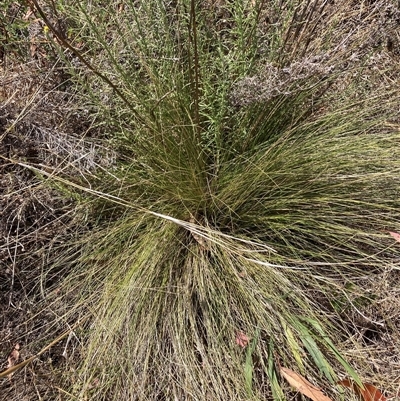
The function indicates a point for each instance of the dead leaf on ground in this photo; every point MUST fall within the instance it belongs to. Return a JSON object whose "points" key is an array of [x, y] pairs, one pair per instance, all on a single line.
{"points": [[396, 236], [242, 339], [368, 393], [13, 358], [303, 386]]}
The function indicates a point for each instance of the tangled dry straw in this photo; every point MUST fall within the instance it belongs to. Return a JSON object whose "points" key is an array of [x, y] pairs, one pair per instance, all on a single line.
{"points": [[242, 187]]}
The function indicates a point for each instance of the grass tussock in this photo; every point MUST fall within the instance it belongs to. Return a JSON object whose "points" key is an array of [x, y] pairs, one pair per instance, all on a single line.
{"points": [[252, 183]]}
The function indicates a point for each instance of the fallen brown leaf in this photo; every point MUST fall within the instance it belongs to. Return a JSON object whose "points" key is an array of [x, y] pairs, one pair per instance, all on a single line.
{"points": [[368, 393], [303, 386], [242, 339], [13, 358], [396, 236]]}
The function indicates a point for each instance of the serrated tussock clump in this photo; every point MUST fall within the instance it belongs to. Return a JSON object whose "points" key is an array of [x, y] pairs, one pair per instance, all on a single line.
{"points": [[247, 194]]}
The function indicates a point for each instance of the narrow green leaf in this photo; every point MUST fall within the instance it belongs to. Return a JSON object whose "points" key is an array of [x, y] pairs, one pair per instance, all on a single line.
{"points": [[248, 367], [293, 345], [276, 389], [316, 354], [327, 341]]}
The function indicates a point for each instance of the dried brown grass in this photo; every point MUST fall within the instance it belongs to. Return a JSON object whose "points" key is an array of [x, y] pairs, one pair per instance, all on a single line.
{"points": [[40, 124]]}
